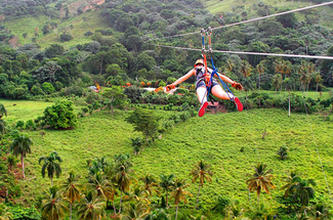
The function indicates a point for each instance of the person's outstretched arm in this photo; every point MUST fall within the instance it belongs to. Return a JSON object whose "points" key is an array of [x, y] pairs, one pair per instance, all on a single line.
{"points": [[183, 78], [228, 80]]}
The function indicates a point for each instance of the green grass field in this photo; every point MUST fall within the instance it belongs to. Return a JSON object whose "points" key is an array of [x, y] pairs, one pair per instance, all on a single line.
{"points": [[23, 110], [217, 139]]}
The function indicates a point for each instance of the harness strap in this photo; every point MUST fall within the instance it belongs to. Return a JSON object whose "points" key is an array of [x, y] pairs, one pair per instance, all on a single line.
{"points": [[225, 86]]}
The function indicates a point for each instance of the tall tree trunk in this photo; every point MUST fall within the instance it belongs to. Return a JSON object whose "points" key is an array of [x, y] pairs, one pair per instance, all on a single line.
{"points": [[196, 206], [121, 197], [166, 199], [176, 212], [22, 163], [70, 211]]}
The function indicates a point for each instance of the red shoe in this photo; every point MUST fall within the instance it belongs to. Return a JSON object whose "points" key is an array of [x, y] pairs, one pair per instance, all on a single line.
{"points": [[202, 109], [239, 105]]}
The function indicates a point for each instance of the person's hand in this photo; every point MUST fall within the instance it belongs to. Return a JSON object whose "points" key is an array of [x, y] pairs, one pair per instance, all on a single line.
{"points": [[237, 86], [169, 87]]}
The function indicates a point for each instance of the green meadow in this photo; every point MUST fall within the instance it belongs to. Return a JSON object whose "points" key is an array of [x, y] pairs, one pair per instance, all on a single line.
{"points": [[232, 143]]}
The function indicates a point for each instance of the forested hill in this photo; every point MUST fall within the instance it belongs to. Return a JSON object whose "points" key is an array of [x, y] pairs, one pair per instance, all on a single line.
{"points": [[58, 42]]}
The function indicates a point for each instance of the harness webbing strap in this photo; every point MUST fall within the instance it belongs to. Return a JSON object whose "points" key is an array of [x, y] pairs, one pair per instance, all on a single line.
{"points": [[225, 86]]}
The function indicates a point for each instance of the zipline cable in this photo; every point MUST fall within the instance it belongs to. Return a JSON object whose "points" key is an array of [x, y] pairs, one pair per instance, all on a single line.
{"points": [[247, 21], [251, 53]]}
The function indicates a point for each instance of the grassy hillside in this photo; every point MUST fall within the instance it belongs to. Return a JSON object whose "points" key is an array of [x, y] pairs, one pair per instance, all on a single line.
{"points": [[91, 21], [77, 26], [217, 139], [225, 6]]}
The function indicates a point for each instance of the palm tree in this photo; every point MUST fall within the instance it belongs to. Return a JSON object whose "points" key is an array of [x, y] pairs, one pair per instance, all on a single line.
{"points": [[3, 111], [21, 146], [91, 208], [282, 67], [123, 181], [136, 211], [71, 192], [306, 70], [246, 70], [104, 188], [51, 165], [179, 193], [260, 69], [53, 208], [149, 183], [201, 171], [318, 79], [261, 180], [166, 184], [298, 189], [277, 82]]}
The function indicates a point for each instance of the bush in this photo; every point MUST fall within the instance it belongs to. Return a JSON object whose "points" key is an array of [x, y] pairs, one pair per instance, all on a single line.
{"points": [[25, 213], [30, 124], [20, 124], [36, 90], [73, 90], [60, 115], [65, 37], [48, 88], [93, 97]]}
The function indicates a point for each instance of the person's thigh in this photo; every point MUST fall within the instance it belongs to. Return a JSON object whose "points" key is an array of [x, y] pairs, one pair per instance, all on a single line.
{"points": [[218, 92], [202, 94]]}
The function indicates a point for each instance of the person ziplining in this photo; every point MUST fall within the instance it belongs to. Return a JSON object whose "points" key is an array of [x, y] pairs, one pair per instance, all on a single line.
{"points": [[205, 81]]}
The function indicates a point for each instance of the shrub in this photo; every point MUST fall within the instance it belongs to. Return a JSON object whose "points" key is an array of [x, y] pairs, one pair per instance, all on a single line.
{"points": [[48, 88], [36, 90], [20, 124], [134, 93], [65, 37], [73, 90], [92, 97], [144, 121], [60, 115], [137, 144], [283, 152], [30, 124]]}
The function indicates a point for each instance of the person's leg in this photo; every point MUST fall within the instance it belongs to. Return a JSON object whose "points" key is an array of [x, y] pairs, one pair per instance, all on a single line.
{"points": [[202, 97], [218, 92], [202, 94]]}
